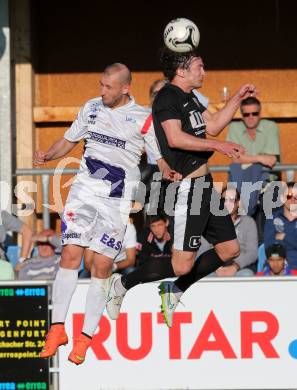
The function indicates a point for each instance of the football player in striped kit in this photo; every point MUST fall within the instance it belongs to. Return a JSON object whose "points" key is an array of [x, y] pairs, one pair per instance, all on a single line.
{"points": [[182, 124]]}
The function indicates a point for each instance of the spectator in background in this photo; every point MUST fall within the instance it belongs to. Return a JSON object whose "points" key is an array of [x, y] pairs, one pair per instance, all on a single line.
{"points": [[6, 270], [246, 231], [45, 265], [155, 88], [126, 259], [282, 228], [276, 264], [12, 223], [156, 243], [260, 138]]}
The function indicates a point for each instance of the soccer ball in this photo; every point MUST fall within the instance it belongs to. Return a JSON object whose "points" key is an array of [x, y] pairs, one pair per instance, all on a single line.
{"points": [[181, 35]]}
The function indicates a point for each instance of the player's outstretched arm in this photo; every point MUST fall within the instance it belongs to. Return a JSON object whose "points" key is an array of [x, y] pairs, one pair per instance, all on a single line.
{"points": [[179, 139], [216, 122], [57, 150]]}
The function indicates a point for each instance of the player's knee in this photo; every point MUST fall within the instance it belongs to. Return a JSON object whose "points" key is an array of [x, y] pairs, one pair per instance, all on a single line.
{"points": [[101, 271], [70, 259]]}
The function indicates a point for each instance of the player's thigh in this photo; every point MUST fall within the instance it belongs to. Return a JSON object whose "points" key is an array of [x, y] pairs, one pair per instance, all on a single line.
{"points": [[79, 216]]}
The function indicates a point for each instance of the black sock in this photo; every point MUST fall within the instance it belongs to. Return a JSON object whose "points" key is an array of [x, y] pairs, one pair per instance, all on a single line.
{"points": [[150, 271], [207, 263]]}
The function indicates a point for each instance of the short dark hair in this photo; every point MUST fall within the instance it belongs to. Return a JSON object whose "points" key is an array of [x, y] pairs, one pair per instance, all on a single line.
{"points": [[155, 218], [171, 61], [249, 101], [290, 184], [275, 250]]}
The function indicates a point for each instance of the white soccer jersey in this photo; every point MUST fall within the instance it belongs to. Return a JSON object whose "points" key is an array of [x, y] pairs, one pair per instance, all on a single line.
{"points": [[114, 141]]}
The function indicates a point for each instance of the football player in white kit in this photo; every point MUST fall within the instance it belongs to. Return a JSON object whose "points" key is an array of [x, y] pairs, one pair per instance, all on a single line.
{"points": [[115, 130]]}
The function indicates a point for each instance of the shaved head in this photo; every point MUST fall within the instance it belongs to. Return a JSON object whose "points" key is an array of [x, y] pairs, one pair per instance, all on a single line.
{"points": [[121, 70], [115, 85]]}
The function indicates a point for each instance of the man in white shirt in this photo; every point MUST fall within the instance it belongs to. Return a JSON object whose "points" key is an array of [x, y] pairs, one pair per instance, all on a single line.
{"points": [[115, 130]]}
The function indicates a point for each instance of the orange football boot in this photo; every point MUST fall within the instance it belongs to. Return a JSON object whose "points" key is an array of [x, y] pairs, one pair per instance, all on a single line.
{"points": [[78, 353], [55, 337]]}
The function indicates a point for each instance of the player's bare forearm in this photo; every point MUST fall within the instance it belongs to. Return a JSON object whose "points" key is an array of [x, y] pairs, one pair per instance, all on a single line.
{"points": [[57, 150], [179, 139], [216, 122]]}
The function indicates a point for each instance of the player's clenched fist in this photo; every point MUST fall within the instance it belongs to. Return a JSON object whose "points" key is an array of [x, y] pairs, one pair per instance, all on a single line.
{"points": [[39, 157]]}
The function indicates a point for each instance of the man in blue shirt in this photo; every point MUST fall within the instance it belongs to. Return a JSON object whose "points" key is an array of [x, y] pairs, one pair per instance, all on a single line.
{"points": [[282, 228]]}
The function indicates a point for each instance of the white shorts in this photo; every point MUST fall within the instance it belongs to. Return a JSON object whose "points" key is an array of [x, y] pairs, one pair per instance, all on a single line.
{"points": [[93, 221]]}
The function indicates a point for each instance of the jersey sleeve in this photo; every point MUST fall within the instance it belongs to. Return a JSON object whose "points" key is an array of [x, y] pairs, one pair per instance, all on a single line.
{"points": [[167, 106], [10, 222], [79, 127], [148, 132]]}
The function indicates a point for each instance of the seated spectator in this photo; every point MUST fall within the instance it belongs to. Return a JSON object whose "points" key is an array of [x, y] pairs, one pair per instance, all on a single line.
{"points": [[282, 228], [260, 138], [126, 259], [156, 242], [12, 223], [246, 231], [155, 88], [6, 270], [276, 264], [45, 265]]}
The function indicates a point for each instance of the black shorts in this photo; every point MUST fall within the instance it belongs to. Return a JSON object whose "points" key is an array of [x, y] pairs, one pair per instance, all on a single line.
{"points": [[199, 212]]}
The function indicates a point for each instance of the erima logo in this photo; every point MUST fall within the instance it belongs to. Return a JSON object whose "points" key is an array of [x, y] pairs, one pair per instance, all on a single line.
{"points": [[194, 242]]}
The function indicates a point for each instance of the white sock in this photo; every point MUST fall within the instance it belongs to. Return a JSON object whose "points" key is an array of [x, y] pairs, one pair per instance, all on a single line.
{"points": [[95, 304], [63, 289]]}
